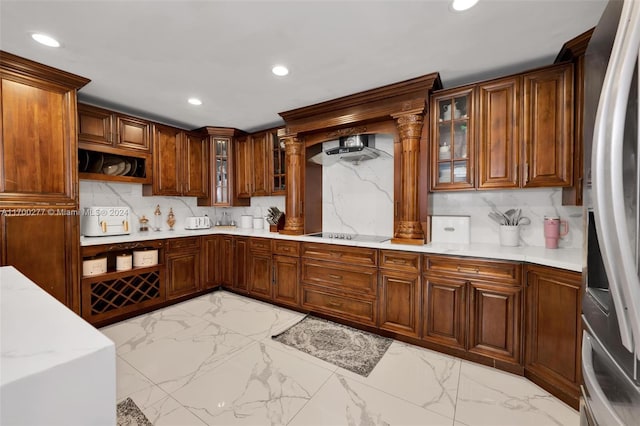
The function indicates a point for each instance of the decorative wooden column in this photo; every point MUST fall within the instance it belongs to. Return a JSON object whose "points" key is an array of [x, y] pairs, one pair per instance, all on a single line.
{"points": [[294, 181], [409, 230]]}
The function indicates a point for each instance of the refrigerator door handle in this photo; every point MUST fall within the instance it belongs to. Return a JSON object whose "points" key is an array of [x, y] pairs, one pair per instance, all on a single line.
{"points": [[607, 177], [599, 399]]}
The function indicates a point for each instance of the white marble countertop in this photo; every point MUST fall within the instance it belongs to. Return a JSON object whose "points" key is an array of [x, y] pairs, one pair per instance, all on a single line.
{"points": [[56, 368], [38, 332], [564, 258]]}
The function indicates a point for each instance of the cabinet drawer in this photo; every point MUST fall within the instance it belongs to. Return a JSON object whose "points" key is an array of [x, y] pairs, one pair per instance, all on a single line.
{"points": [[340, 276], [183, 243], [359, 310], [399, 260], [503, 272], [259, 244], [286, 248], [336, 253]]}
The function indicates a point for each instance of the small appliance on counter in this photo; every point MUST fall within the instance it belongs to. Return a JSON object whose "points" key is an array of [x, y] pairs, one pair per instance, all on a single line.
{"points": [[105, 221], [450, 229], [197, 222]]}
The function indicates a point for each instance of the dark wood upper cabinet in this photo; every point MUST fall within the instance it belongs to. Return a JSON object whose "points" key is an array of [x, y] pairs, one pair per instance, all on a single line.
{"points": [[222, 166], [101, 127], [278, 166], [243, 172], [517, 130], [260, 158], [498, 134], [253, 164], [453, 139], [195, 163], [547, 121], [180, 163], [38, 134]]}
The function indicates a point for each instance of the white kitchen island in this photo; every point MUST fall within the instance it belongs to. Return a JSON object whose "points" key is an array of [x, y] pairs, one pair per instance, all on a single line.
{"points": [[55, 368]]}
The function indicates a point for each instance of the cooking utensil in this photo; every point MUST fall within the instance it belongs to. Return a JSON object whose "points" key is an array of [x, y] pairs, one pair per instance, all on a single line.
{"points": [[496, 217]]}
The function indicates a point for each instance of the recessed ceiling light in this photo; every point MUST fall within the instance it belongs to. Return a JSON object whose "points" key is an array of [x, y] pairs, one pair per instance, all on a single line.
{"points": [[280, 70], [195, 101], [45, 39], [460, 5]]}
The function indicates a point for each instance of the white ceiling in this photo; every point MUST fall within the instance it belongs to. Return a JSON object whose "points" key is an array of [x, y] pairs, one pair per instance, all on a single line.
{"points": [[148, 57]]}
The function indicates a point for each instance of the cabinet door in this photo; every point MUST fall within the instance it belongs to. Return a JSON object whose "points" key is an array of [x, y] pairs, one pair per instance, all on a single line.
{"points": [[167, 151], [240, 264], [132, 133], [183, 274], [278, 169], [286, 279], [445, 311], [45, 249], [210, 276], [195, 166], [242, 148], [494, 321], [498, 137], [38, 150], [95, 126], [225, 260], [221, 168], [548, 127], [553, 327], [260, 274], [261, 155], [453, 145], [399, 302]]}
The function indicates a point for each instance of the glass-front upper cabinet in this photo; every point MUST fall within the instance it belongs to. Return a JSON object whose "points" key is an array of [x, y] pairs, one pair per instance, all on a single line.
{"points": [[221, 147], [452, 141], [278, 154]]}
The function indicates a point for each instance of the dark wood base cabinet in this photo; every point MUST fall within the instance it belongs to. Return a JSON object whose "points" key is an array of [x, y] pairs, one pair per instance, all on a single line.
{"points": [[183, 267], [340, 281], [274, 271], [116, 295], [553, 330], [45, 249], [473, 308], [399, 292]]}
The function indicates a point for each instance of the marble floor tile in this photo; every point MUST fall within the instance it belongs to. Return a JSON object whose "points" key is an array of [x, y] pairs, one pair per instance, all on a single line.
{"points": [[174, 360], [423, 377], [487, 396], [128, 379], [246, 316], [168, 412], [259, 386], [142, 330], [147, 396], [343, 401]]}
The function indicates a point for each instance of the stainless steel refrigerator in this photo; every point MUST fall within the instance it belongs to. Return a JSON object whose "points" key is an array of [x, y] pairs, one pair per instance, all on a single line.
{"points": [[611, 303]]}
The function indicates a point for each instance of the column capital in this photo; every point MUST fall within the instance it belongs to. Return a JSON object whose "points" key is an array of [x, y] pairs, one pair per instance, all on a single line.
{"points": [[409, 125]]}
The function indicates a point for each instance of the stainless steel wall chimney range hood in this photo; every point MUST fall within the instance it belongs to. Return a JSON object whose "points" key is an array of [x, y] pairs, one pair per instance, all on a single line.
{"points": [[352, 149]]}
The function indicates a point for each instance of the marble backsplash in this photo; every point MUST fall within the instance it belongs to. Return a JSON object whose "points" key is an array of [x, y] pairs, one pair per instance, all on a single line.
{"points": [[535, 204], [95, 193], [358, 198]]}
